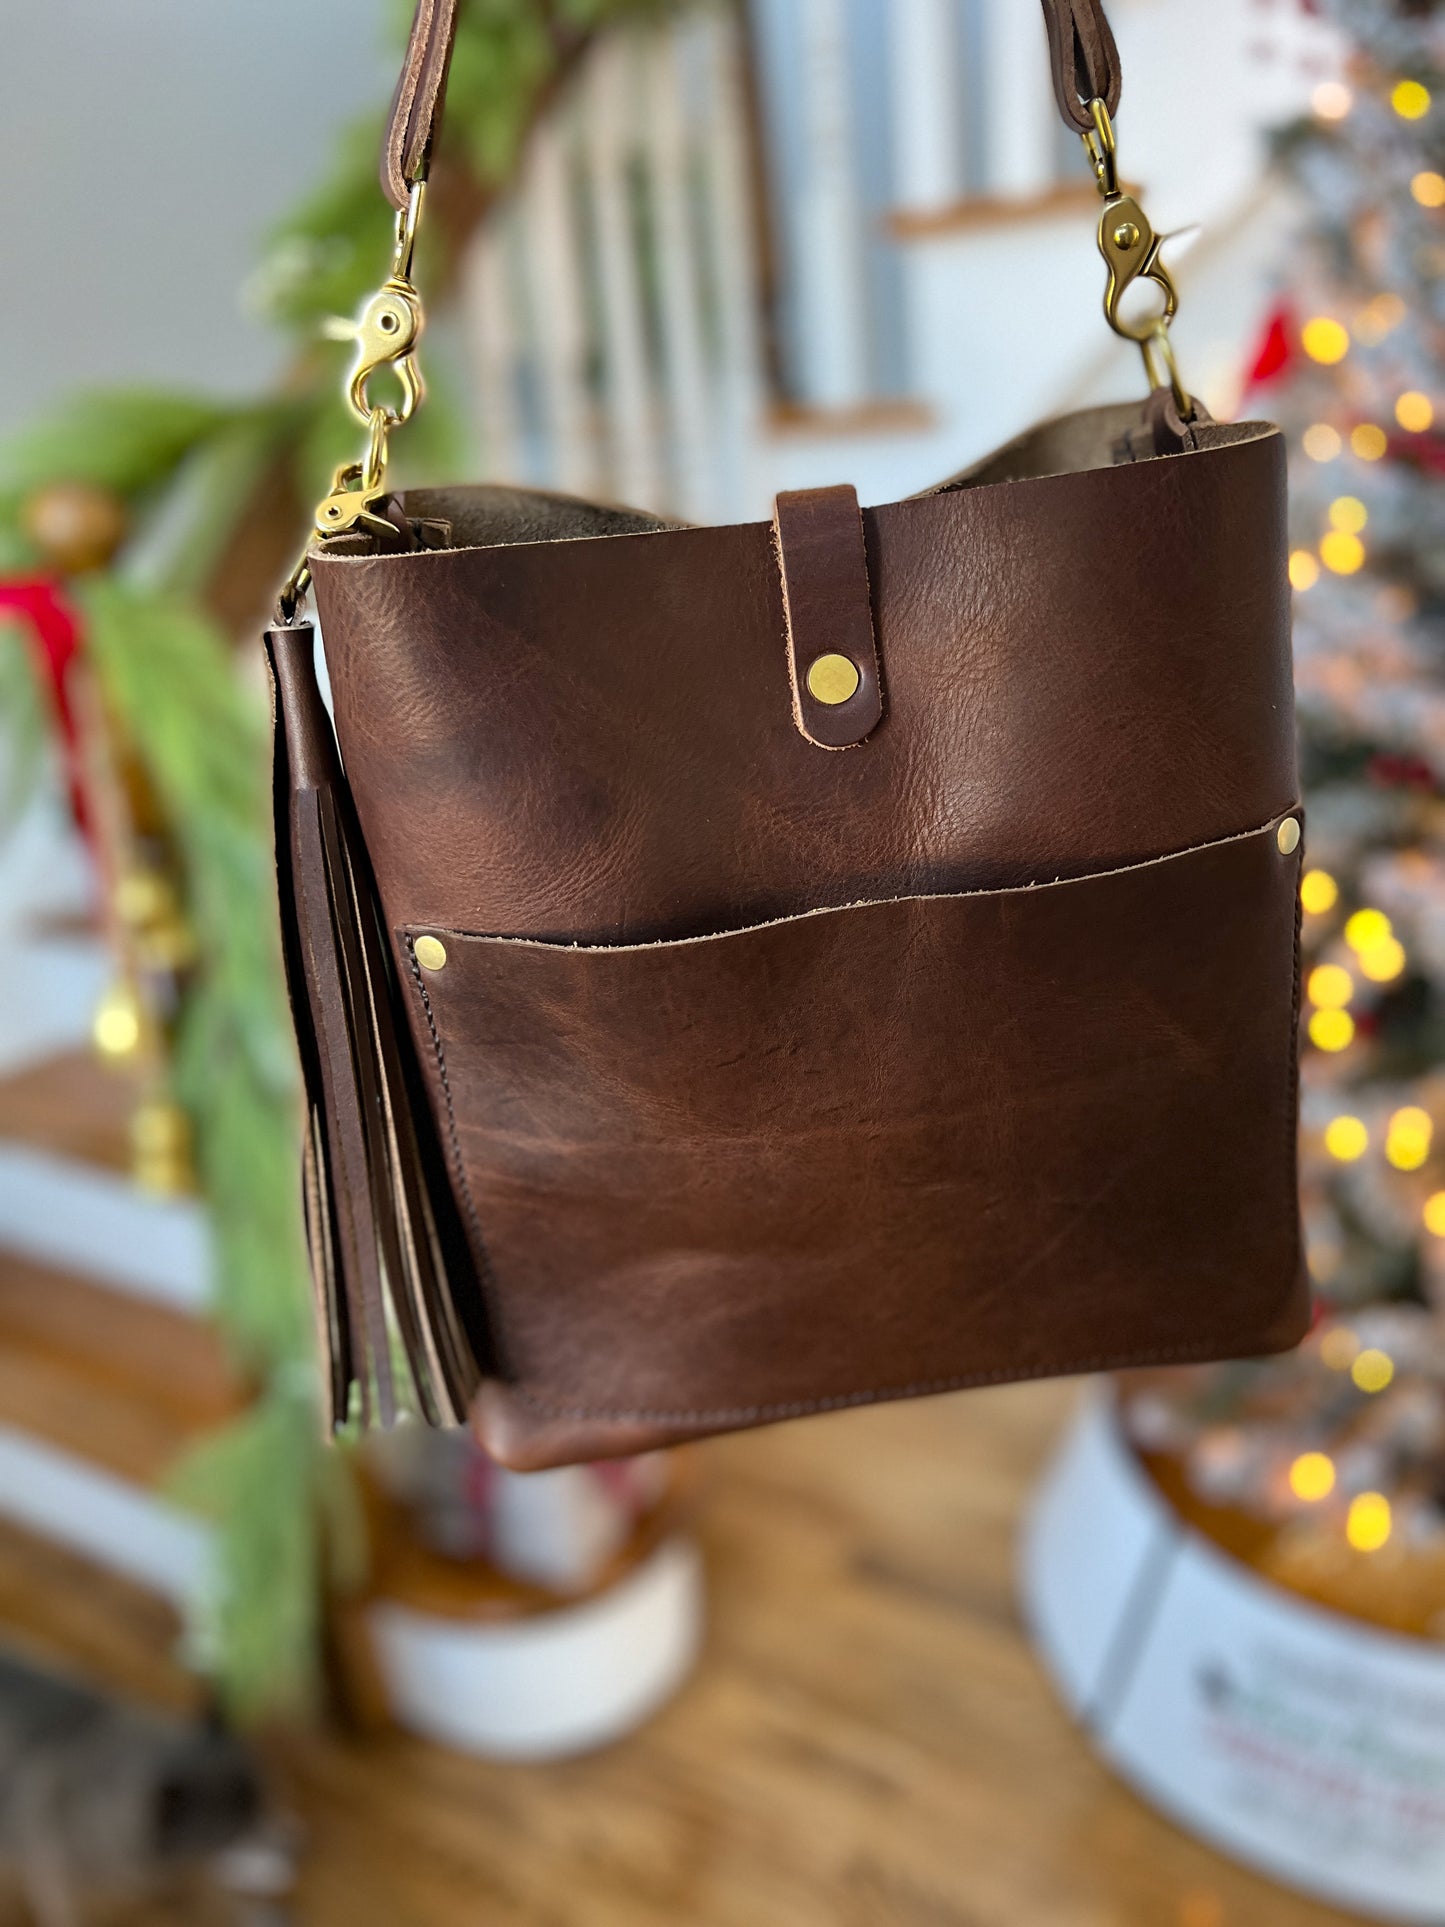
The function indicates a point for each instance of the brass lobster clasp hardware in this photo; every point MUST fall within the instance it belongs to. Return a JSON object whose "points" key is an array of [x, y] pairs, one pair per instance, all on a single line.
{"points": [[1132, 252], [351, 511], [385, 333], [359, 488], [388, 328]]}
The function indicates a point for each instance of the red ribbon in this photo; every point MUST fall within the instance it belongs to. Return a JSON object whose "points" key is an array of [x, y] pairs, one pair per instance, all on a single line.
{"points": [[55, 636], [1275, 355]]}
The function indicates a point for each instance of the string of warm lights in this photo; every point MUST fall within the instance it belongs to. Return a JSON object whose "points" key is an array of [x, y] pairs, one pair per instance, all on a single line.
{"points": [[1339, 1450], [1328, 340], [1376, 953], [1366, 951], [1368, 948]]}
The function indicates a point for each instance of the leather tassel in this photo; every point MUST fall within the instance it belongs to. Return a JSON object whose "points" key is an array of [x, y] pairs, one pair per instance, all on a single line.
{"points": [[379, 1256]]}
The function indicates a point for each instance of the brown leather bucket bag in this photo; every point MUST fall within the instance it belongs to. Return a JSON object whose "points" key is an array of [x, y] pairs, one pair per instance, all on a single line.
{"points": [[749, 971]]}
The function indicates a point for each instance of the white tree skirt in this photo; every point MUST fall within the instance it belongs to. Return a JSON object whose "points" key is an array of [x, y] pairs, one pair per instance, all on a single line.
{"points": [[1305, 1743]]}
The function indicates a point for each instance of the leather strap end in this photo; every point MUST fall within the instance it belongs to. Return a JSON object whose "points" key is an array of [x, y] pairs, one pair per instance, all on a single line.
{"points": [[1083, 58], [828, 611], [416, 106]]}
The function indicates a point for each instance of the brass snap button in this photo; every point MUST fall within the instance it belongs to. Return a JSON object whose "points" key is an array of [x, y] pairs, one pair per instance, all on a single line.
{"points": [[832, 679], [1287, 836], [431, 953]]}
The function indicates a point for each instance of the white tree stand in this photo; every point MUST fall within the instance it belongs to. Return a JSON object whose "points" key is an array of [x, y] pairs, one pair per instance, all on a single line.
{"points": [[1304, 1743]]}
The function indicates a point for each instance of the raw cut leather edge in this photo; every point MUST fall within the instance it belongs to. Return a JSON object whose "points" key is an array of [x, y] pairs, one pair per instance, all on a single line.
{"points": [[408, 932]]}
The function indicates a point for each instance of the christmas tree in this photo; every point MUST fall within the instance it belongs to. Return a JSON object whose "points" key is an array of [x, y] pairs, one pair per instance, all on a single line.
{"points": [[1327, 1468]]}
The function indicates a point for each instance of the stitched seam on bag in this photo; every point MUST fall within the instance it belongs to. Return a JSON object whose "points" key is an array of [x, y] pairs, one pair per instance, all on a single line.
{"points": [[1291, 1105], [920, 1388], [491, 1298], [1270, 826]]}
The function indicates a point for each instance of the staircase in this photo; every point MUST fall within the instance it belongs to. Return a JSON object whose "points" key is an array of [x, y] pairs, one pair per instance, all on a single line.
{"points": [[765, 246], [108, 1370]]}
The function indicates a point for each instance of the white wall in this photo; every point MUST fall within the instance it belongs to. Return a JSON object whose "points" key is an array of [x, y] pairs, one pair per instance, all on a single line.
{"points": [[145, 147]]}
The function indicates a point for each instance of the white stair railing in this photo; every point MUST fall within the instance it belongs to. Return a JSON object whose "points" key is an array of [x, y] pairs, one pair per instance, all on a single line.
{"points": [[494, 345], [679, 249], [928, 105], [614, 135], [1014, 95], [613, 312], [554, 335], [731, 253], [620, 340], [821, 207], [611, 301]]}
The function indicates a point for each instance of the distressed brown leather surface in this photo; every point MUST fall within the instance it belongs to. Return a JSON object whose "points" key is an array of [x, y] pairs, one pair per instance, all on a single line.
{"points": [[827, 609], [591, 740], [594, 739], [882, 1150]]}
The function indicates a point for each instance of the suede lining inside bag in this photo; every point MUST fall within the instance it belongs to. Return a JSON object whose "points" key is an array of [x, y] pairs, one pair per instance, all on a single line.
{"points": [[743, 972]]}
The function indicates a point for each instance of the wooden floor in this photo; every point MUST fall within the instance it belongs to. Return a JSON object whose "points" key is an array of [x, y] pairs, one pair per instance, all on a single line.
{"points": [[868, 1743]]}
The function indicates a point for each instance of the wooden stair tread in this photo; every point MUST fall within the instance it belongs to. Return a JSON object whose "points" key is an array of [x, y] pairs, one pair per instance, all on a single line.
{"points": [[60, 1610], [119, 1381], [173, 1357], [885, 416], [71, 1106], [977, 212], [108, 1378]]}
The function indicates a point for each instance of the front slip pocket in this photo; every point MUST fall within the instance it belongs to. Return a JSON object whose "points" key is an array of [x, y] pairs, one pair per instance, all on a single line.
{"points": [[886, 1149]]}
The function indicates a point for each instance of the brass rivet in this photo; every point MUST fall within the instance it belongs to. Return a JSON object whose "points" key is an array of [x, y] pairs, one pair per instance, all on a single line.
{"points": [[1126, 235], [1287, 836], [431, 953], [832, 679]]}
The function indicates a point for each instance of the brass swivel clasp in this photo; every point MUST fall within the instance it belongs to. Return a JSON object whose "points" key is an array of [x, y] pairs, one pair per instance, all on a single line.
{"points": [[1132, 252], [386, 333], [358, 490], [388, 328]]}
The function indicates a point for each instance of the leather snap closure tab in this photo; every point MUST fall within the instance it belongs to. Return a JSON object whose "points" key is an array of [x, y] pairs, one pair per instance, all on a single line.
{"points": [[832, 645], [833, 679], [431, 953]]}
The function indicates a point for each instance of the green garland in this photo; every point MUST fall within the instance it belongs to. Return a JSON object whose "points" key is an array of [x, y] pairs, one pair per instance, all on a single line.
{"points": [[187, 468]]}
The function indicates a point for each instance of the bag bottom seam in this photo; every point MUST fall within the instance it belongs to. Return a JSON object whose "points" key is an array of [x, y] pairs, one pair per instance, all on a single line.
{"points": [[1201, 1350]]}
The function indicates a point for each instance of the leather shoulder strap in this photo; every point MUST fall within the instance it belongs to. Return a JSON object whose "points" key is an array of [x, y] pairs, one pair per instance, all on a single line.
{"points": [[416, 106], [1084, 58]]}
